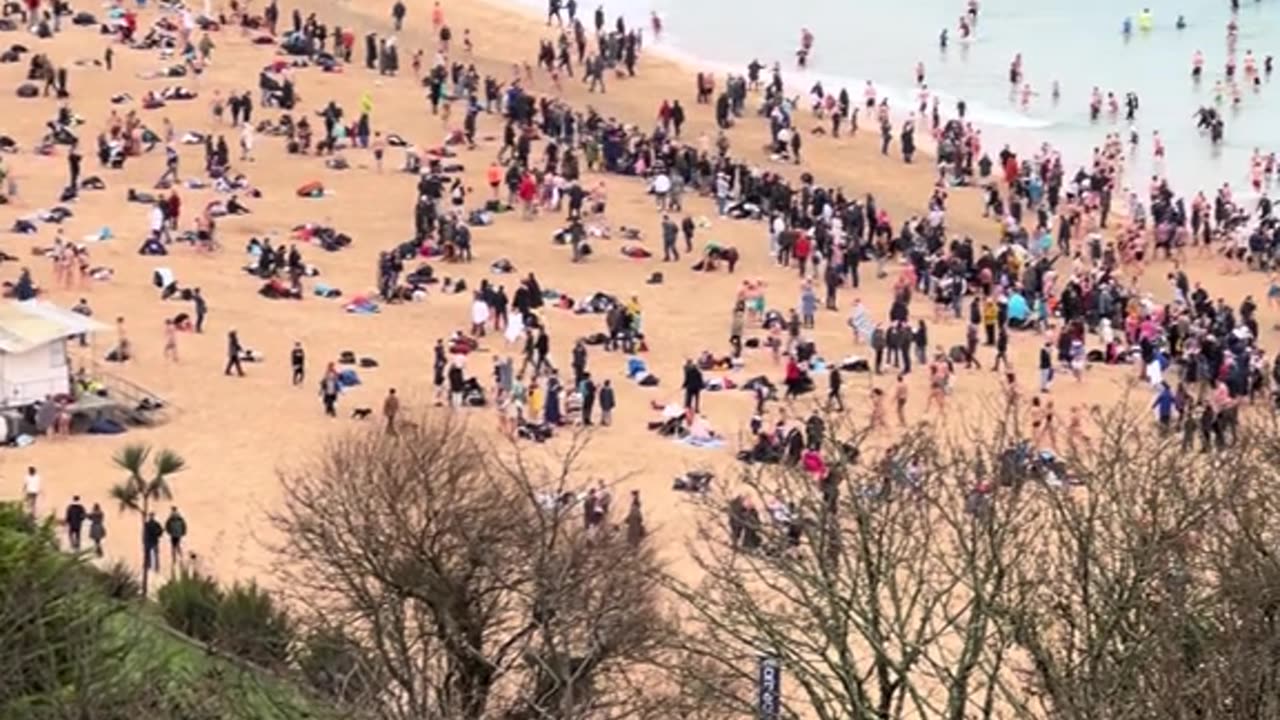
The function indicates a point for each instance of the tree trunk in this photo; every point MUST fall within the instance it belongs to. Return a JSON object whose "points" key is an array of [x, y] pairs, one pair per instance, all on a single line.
{"points": [[146, 565]]}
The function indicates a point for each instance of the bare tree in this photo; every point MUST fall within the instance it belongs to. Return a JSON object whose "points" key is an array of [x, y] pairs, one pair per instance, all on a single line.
{"points": [[872, 580], [463, 581], [1156, 593]]}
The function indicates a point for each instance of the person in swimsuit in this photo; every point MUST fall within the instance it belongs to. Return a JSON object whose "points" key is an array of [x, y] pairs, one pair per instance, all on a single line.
{"points": [[877, 409], [900, 400], [170, 340]]}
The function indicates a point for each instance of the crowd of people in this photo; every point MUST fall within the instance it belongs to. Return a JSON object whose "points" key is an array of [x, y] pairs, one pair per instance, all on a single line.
{"points": [[1063, 269]]}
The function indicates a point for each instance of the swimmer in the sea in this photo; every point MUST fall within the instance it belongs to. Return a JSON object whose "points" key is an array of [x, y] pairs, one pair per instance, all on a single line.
{"points": [[1056, 93], [1130, 105], [1181, 24], [972, 11], [1197, 65], [919, 72], [1015, 70], [1027, 94], [942, 39], [806, 47]]}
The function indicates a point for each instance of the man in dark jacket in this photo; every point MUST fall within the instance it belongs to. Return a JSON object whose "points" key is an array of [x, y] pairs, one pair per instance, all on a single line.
{"points": [[587, 388], [878, 343], [670, 233], [692, 386], [607, 403], [152, 531], [74, 518], [176, 528], [233, 354]]}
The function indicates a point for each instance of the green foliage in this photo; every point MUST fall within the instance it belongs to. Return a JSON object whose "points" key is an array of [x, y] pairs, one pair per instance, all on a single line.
{"points": [[138, 491], [251, 626], [57, 644], [190, 603], [76, 641], [117, 581], [331, 662]]}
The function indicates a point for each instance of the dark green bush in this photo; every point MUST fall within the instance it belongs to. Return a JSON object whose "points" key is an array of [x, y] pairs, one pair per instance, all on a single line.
{"points": [[253, 627], [190, 603], [117, 581]]}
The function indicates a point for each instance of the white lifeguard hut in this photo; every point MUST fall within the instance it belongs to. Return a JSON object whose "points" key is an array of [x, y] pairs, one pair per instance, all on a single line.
{"points": [[33, 350]]}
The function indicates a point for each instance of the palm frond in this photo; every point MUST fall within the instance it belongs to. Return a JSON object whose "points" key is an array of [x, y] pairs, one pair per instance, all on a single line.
{"points": [[127, 493], [131, 458], [168, 462], [158, 489]]}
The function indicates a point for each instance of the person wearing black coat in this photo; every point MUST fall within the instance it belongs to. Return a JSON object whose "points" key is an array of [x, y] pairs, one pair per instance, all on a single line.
{"points": [[692, 386], [587, 388], [75, 517], [233, 354]]}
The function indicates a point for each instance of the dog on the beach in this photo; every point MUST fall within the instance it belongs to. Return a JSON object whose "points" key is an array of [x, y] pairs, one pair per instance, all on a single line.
{"points": [[361, 413]]}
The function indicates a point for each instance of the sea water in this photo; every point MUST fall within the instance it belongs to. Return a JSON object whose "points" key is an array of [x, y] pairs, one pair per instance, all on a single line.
{"points": [[1077, 43]]}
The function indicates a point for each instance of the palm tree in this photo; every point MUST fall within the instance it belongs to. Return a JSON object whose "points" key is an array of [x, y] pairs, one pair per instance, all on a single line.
{"points": [[136, 492]]}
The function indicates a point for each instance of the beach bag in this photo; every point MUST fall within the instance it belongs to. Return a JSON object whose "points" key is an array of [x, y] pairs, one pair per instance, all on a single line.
{"points": [[313, 189], [84, 18], [27, 90]]}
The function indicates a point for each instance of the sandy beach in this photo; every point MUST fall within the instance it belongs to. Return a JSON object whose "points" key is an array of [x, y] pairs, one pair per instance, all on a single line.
{"points": [[237, 433]]}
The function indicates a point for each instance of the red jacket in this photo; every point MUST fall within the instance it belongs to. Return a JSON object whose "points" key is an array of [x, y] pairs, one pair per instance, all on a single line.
{"points": [[803, 245]]}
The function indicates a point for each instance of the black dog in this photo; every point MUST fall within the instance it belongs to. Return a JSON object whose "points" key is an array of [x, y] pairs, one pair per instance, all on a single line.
{"points": [[361, 413]]}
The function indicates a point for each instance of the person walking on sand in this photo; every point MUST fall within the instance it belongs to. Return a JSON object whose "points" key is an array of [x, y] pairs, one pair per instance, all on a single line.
{"points": [[31, 490], [607, 403], [298, 361], [398, 11], [170, 341], [175, 526], [833, 394], [234, 349], [97, 528], [390, 409], [201, 308], [246, 142], [329, 389], [692, 386], [900, 400], [635, 521], [74, 517], [152, 531]]}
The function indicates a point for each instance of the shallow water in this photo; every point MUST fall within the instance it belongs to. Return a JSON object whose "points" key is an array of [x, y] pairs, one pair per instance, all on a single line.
{"points": [[1079, 44]]}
